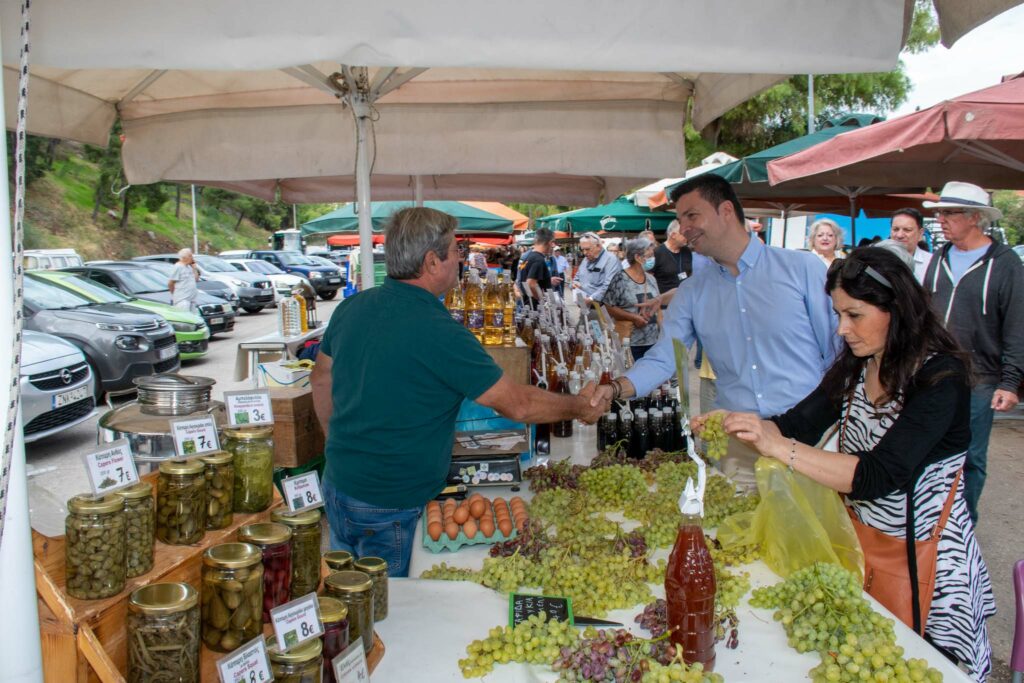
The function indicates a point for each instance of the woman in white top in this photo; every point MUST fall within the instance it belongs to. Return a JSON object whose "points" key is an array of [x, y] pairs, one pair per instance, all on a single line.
{"points": [[826, 240]]}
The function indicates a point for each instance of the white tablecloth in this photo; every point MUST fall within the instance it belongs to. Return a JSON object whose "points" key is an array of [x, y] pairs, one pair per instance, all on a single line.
{"points": [[292, 344]]}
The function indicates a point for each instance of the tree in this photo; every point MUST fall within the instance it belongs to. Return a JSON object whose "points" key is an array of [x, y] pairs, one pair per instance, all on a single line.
{"points": [[1011, 203], [39, 153], [108, 162]]}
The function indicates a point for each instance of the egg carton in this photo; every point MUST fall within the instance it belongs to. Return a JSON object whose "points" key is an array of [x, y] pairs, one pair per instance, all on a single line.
{"points": [[453, 544]]}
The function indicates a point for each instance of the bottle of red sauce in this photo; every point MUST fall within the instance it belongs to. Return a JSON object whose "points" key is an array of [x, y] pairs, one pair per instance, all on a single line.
{"points": [[690, 582]]}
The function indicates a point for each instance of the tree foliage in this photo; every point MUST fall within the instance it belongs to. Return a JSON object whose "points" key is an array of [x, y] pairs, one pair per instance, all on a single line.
{"points": [[38, 157]]}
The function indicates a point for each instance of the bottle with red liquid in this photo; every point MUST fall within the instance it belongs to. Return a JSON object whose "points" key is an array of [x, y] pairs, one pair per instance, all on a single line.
{"points": [[690, 582]]}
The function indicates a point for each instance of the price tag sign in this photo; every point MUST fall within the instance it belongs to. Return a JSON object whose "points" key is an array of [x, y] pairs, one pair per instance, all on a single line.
{"points": [[350, 665], [303, 492], [296, 622], [111, 468], [247, 664], [522, 606], [195, 436], [249, 408]]}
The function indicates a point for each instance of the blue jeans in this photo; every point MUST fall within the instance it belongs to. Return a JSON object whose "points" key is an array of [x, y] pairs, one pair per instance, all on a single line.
{"points": [[640, 351], [369, 530], [976, 467]]}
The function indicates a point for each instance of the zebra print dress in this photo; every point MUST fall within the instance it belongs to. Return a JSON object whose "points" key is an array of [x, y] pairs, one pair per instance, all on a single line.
{"points": [[963, 591]]}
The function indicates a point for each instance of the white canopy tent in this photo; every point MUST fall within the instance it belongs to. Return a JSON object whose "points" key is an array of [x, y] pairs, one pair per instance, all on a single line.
{"points": [[642, 197]]}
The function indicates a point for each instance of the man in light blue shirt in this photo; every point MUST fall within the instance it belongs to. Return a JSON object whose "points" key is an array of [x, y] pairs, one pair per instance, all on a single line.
{"points": [[762, 313], [596, 271]]}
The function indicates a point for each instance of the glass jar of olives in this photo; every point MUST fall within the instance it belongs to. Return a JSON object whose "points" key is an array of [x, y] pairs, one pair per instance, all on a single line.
{"points": [[232, 595], [301, 664], [305, 528], [181, 502], [219, 472], [377, 569], [274, 542], [139, 519], [94, 550], [334, 615], [163, 633], [338, 560], [355, 590], [253, 448]]}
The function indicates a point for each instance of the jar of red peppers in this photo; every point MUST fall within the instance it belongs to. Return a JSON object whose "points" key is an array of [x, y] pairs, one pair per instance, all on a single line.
{"points": [[334, 615], [305, 526], [355, 590], [377, 569], [274, 541], [338, 560]]}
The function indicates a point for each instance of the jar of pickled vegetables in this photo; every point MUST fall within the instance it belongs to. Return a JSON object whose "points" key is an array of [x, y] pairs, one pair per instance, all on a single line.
{"points": [[301, 664], [334, 616], [305, 528], [274, 542], [219, 472], [163, 634], [338, 560], [94, 550], [232, 595], [377, 569], [181, 502], [139, 525], [355, 590], [253, 448]]}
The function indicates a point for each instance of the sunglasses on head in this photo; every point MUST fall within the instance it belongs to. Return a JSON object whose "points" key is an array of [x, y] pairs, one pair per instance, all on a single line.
{"points": [[849, 269]]}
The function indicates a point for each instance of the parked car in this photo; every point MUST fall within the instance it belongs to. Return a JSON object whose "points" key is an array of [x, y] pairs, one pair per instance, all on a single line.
{"points": [[118, 341], [284, 283], [214, 288], [1019, 251], [334, 258], [58, 389], [326, 280], [49, 259], [134, 279], [190, 331], [255, 292]]}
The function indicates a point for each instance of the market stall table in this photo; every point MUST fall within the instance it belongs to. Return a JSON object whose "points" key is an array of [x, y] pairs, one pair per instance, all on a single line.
{"points": [[249, 350]]}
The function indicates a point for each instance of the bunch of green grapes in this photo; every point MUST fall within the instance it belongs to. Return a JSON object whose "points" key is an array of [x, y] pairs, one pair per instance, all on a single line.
{"points": [[716, 441], [443, 572], [552, 505], [506, 574], [538, 640], [585, 530], [729, 588], [722, 499], [670, 477], [734, 555], [871, 658], [679, 672], [610, 488], [660, 531], [602, 583]]}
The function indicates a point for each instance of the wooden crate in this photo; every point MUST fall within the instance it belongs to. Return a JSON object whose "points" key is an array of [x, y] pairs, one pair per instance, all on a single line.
{"points": [[298, 437], [515, 361]]}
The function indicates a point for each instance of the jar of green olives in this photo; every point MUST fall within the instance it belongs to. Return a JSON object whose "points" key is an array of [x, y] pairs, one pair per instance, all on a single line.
{"points": [[232, 595], [219, 473], [377, 569], [181, 502], [338, 560], [253, 448], [355, 590], [305, 528], [139, 519], [334, 616], [275, 544], [163, 633], [94, 550], [301, 664]]}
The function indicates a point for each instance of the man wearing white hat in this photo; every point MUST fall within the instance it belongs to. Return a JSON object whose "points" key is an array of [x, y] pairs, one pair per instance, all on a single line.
{"points": [[977, 288]]}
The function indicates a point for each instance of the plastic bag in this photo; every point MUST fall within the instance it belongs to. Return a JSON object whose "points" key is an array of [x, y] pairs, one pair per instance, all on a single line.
{"points": [[797, 523]]}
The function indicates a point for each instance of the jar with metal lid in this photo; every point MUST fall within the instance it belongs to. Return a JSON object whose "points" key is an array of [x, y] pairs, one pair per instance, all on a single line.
{"points": [[163, 634], [139, 520], [275, 543], [219, 472], [355, 590], [181, 502], [334, 616], [94, 549], [339, 560], [253, 448], [232, 595], [377, 569], [305, 528], [301, 664]]}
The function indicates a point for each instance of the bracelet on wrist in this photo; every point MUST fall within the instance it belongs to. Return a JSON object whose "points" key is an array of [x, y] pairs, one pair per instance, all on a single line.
{"points": [[616, 390]]}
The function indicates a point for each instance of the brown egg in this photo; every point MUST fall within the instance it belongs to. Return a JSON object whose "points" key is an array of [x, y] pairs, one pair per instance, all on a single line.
{"points": [[452, 529], [461, 514], [505, 527], [520, 523], [433, 505], [500, 508], [434, 530], [477, 508], [469, 528], [515, 500], [487, 527], [449, 504]]}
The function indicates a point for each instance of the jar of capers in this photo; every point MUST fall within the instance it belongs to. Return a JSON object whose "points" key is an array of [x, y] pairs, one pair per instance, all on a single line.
{"points": [[334, 616], [232, 595], [355, 590], [305, 528], [94, 550], [253, 448], [139, 518], [301, 664], [274, 541], [181, 502], [377, 569], [219, 473], [338, 560], [163, 634]]}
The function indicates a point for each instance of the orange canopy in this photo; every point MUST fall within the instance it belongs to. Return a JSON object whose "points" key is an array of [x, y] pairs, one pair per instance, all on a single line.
{"points": [[351, 240], [519, 221]]}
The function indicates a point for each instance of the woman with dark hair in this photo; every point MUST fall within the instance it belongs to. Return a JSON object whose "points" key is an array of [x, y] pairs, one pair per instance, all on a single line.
{"points": [[900, 393]]}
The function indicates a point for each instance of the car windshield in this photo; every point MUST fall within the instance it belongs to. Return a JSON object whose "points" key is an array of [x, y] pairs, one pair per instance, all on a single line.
{"points": [[139, 281], [93, 290], [294, 258], [160, 267], [263, 267], [44, 296], [215, 265]]}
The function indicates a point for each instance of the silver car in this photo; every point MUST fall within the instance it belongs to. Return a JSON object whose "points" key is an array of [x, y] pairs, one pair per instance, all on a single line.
{"points": [[57, 386]]}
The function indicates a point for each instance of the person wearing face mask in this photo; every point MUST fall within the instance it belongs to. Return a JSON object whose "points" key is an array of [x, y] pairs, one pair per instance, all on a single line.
{"points": [[628, 290]]}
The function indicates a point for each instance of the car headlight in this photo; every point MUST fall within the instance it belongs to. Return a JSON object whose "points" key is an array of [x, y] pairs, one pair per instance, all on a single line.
{"points": [[113, 327], [184, 327], [316, 274], [238, 283], [129, 343]]}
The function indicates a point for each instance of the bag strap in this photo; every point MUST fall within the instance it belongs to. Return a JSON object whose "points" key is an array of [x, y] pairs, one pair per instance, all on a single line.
{"points": [[947, 508]]}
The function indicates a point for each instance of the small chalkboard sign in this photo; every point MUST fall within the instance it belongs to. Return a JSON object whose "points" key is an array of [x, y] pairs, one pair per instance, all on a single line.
{"points": [[521, 606]]}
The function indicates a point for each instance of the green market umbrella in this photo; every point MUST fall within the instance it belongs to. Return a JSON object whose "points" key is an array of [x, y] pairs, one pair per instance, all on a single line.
{"points": [[345, 219], [621, 215]]}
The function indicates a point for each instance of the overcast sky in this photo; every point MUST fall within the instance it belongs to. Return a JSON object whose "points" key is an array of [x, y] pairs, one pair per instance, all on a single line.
{"points": [[979, 59]]}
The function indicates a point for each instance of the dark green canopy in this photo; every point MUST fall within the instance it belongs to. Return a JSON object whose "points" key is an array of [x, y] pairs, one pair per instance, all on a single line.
{"points": [[622, 215], [346, 220]]}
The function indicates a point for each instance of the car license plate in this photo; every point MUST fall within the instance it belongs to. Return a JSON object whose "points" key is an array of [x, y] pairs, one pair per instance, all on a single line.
{"points": [[216, 321], [168, 352], [68, 397], [334, 280]]}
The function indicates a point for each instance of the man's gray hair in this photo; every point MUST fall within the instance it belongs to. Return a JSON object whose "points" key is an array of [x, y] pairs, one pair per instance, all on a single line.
{"points": [[590, 237], [182, 253], [411, 234], [899, 249], [635, 248], [983, 220], [672, 228]]}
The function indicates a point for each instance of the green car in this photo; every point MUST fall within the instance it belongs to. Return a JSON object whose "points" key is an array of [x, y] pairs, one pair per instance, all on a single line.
{"points": [[192, 334]]}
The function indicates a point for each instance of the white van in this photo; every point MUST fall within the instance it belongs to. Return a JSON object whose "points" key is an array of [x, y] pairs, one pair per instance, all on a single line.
{"points": [[51, 259]]}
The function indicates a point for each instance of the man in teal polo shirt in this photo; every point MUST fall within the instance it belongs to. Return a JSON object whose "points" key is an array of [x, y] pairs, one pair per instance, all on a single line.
{"points": [[388, 406]]}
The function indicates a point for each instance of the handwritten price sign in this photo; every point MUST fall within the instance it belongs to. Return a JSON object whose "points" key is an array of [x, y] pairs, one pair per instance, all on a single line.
{"points": [[111, 468], [249, 408], [194, 436]]}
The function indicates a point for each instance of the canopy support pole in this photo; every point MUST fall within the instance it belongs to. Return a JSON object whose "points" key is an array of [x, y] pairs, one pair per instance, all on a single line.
{"points": [[195, 224], [418, 189], [358, 97]]}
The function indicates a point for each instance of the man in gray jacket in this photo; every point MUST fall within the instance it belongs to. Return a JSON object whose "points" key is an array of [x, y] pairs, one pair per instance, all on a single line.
{"points": [[977, 287]]}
